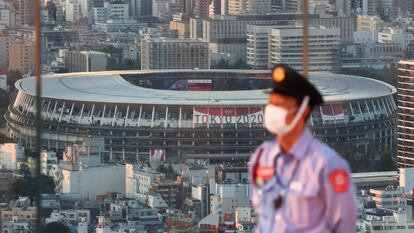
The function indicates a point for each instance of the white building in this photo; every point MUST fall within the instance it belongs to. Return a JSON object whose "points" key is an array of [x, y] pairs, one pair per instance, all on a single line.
{"points": [[395, 35], [10, 154], [399, 222], [161, 9], [407, 179], [117, 11], [92, 181], [138, 180], [99, 14], [3, 82], [257, 49], [72, 11], [285, 47], [5, 17], [48, 158], [227, 197]]}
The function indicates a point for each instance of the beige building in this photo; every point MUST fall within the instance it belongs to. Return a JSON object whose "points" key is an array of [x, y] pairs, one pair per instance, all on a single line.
{"points": [[373, 24], [239, 7], [21, 55], [285, 46], [182, 29], [163, 53]]}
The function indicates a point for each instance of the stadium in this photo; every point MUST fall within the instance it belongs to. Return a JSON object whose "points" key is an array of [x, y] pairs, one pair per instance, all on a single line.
{"points": [[192, 113]]}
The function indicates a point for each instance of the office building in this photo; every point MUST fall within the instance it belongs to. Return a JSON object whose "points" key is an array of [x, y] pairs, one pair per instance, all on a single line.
{"points": [[163, 53], [285, 47], [82, 61]]}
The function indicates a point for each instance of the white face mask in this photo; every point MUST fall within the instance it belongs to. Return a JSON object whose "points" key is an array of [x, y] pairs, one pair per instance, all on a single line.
{"points": [[275, 117]]}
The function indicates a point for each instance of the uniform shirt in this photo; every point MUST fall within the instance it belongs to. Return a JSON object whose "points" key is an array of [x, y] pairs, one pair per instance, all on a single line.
{"points": [[320, 196]]}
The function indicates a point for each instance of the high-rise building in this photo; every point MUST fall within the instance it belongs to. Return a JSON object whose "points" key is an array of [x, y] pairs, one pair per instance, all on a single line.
{"points": [[201, 8], [162, 53], [405, 132], [257, 45], [25, 12], [21, 55], [140, 8], [4, 51], [285, 47]]}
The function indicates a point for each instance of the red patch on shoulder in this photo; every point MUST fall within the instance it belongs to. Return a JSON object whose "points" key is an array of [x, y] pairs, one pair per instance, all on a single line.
{"points": [[339, 180]]}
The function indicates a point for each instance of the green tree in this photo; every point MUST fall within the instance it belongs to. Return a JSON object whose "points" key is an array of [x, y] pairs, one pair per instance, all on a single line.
{"points": [[56, 227], [386, 163], [240, 64], [24, 169], [27, 186]]}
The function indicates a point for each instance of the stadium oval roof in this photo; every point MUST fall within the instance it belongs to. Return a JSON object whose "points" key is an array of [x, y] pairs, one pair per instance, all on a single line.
{"points": [[111, 87]]}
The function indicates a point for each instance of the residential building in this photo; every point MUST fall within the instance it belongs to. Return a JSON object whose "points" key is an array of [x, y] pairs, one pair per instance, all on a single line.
{"points": [[285, 47], [201, 8], [25, 13], [10, 155], [21, 55], [163, 53], [405, 151]]}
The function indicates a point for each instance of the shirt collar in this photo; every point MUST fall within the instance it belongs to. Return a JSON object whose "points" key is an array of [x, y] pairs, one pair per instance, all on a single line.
{"points": [[301, 145]]}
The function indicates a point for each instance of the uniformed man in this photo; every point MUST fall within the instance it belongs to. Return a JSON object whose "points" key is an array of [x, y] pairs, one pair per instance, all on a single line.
{"points": [[299, 183]]}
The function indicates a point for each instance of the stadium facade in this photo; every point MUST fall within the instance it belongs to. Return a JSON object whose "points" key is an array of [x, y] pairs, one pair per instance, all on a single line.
{"points": [[190, 113]]}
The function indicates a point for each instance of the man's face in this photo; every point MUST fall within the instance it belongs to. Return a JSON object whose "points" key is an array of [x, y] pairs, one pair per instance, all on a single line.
{"points": [[287, 102]]}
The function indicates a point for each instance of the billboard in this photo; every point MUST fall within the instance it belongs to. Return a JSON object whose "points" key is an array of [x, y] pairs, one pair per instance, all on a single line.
{"points": [[219, 116], [157, 154]]}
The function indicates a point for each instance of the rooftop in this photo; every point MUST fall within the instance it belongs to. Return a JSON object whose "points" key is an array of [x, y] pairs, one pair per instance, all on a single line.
{"points": [[111, 87]]}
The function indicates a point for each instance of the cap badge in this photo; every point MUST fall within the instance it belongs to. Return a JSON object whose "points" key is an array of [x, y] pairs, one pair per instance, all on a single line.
{"points": [[278, 74]]}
